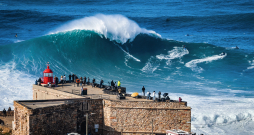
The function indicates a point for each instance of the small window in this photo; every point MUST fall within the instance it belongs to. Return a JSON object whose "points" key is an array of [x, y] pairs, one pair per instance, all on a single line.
{"points": [[50, 74]]}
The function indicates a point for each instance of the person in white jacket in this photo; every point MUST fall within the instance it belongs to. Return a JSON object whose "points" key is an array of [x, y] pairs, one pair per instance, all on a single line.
{"points": [[154, 95]]}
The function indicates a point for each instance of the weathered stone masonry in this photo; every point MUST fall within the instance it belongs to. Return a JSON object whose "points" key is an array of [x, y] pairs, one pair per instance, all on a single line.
{"points": [[136, 117], [60, 119], [64, 112]]}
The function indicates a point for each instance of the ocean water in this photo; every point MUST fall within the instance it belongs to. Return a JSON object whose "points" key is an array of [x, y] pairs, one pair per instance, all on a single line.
{"points": [[139, 43]]}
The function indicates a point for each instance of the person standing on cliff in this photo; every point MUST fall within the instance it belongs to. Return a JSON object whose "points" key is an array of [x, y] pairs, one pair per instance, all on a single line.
{"points": [[9, 109], [56, 81], [39, 81], [148, 95], [143, 90], [81, 81], [93, 85], [101, 83], [4, 111], [119, 84], [70, 78], [88, 81], [64, 78], [81, 91], [77, 81], [84, 80], [154, 95]]}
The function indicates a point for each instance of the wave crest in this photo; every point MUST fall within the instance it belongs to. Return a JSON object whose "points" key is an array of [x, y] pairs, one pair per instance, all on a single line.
{"points": [[115, 27]]}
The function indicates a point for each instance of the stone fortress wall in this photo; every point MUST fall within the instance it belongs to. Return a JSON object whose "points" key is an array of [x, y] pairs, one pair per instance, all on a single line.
{"points": [[138, 117], [115, 117]]}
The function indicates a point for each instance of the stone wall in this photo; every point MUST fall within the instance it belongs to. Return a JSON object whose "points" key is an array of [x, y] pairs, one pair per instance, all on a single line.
{"points": [[60, 119], [136, 117], [43, 93], [21, 119]]}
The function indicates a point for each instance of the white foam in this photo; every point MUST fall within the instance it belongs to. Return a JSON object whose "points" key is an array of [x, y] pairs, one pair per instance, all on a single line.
{"points": [[115, 27], [17, 41], [193, 63], [252, 65], [220, 114], [14, 85], [176, 53], [151, 65]]}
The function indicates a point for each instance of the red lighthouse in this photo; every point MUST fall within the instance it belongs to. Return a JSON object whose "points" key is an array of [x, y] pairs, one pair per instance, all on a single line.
{"points": [[47, 75]]}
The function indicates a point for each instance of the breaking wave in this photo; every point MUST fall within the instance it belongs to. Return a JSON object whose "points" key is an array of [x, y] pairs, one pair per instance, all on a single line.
{"points": [[115, 27]]}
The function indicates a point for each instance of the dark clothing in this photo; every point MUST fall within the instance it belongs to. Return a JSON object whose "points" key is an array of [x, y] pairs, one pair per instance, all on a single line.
{"points": [[9, 109], [84, 80], [57, 81], [39, 80], [88, 81], [159, 95], [4, 111], [112, 83], [101, 83], [70, 77], [143, 89]]}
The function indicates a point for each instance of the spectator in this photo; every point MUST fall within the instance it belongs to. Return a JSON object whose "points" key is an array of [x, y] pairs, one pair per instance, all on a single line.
{"points": [[115, 85], [81, 81], [93, 85], [57, 81], [70, 78], [4, 111], [119, 84], [64, 79], [159, 94], [9, 109], [81, 91], [61, 80], [84, 80], [143, 91], [77, 81], [101, 83], [154, 95], [88, 81], [39, 81], [148, 95], [180, 99], [112, 84]]}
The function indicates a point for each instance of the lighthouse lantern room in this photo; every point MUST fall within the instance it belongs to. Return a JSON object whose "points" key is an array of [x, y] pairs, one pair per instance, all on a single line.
{"points": [[47, 75]]}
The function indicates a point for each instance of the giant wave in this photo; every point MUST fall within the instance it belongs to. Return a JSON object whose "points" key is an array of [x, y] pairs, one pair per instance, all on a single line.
{"points": [[137, 57]]}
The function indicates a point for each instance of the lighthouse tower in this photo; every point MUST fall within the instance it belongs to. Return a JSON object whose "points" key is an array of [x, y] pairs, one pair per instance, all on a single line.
{"points": [[47, 75]]}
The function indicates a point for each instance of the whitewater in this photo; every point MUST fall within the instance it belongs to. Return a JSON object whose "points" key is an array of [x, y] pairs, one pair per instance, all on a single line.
{"points": [[138, 46]]}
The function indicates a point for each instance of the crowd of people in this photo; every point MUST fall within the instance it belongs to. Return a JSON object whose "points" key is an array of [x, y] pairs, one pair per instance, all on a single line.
{"points": [[86, 81]]}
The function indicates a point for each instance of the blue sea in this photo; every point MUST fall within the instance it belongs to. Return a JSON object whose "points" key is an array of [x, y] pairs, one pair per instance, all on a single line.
{"points": [[170, 46]]}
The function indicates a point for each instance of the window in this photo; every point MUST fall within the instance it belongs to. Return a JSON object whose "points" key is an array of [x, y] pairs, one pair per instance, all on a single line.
{"points": [[48, 74]]}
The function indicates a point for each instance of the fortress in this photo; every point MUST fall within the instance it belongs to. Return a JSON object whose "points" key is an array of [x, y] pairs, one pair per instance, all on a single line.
{"points": [[63, 110]]}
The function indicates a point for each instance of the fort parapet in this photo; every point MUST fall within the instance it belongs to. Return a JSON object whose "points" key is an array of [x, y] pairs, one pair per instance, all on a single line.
{"points": [[63, 110]]}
